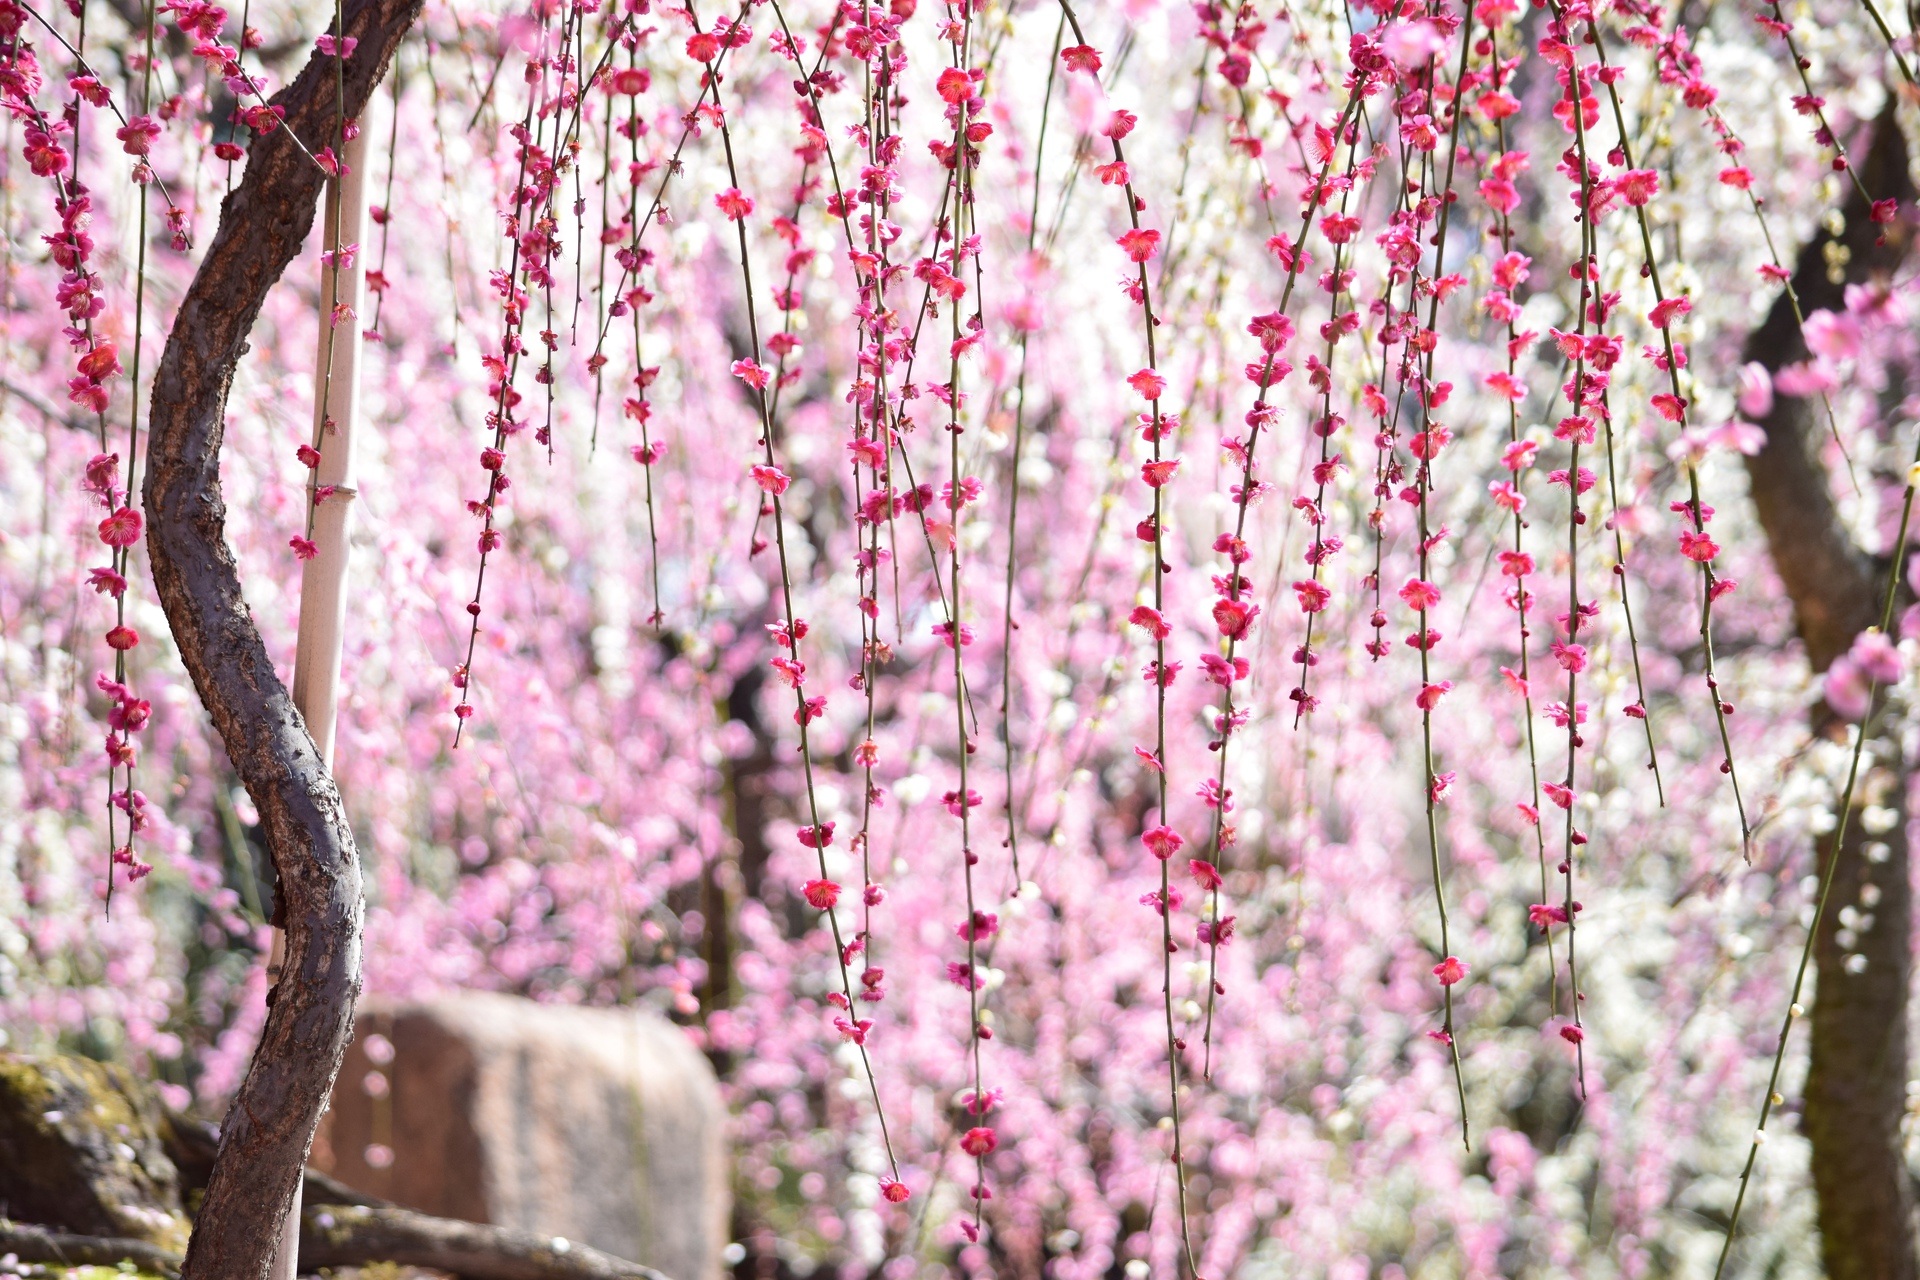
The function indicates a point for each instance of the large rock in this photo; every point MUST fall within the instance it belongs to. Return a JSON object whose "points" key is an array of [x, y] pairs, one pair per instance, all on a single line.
{"points": [[81, 1149], [597, 1125]]}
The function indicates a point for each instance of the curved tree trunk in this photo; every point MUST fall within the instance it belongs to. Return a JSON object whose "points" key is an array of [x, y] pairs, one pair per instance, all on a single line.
{"points": [[263, 223], [1856, 1080]]}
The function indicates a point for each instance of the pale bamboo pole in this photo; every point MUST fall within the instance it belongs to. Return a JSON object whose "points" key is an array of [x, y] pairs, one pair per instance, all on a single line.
{"points": [[323, 579]]}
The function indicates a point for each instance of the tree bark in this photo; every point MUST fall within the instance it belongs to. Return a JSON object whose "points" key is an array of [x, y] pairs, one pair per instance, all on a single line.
{"points": [[263, 223], [1856, 1079]]}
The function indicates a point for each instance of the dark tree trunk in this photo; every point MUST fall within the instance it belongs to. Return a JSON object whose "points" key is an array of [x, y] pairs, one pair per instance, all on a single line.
{"points": [[1856, 1080], [263, 223]]}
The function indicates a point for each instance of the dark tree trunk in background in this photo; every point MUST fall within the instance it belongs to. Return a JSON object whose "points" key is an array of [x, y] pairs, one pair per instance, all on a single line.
{"points": [[1856, 1081], [263, 223]]}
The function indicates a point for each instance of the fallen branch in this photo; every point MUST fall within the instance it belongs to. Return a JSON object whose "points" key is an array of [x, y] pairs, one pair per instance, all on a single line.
{"points": [[38, 1244], [349, 1235], [321, 1189], [339, 1235], [343, 1227]]}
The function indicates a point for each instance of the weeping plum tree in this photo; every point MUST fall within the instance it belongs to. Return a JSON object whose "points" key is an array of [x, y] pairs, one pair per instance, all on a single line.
{"points": [[1220, 640]]}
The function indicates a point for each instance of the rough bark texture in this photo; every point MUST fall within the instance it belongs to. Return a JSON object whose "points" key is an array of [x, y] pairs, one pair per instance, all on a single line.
{"points": [[263, 223], [1856, 1081], [338, 1235]]}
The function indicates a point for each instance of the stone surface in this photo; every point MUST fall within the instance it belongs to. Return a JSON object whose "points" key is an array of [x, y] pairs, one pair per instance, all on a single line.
{"points": [[81, 1149], [603, 1126]]}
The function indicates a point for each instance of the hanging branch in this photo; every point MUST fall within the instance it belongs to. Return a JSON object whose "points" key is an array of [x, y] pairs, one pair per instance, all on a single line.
{"points": [[960, 87], [870, 428], [1141, 244], [1584, 391], [1638, 186], [1509, 274], [1274, 331], [1007, 624], [1426, 446], [822, 894]]}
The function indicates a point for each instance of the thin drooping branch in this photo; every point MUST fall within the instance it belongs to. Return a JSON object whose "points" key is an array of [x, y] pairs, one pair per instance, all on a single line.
{"points": [[263, 224]]}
